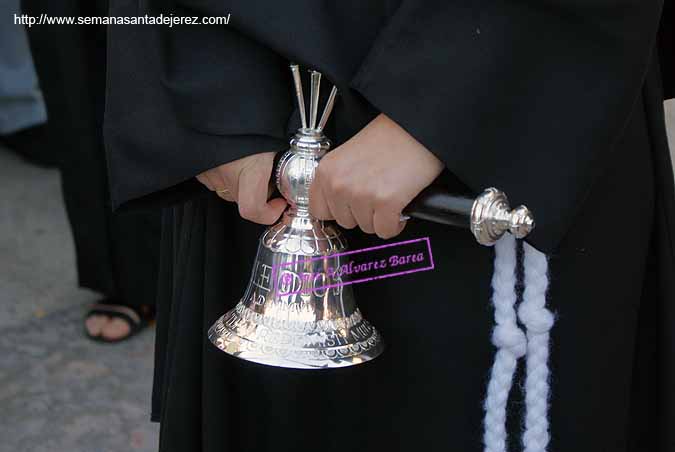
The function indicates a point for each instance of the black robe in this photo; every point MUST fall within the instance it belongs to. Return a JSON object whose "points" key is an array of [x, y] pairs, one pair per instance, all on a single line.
{"points": [[117, 254], [558, 103]]}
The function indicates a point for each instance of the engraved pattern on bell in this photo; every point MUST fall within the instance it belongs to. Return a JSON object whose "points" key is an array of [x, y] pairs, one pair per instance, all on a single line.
{"points": [[296, 311], [285, 319]]}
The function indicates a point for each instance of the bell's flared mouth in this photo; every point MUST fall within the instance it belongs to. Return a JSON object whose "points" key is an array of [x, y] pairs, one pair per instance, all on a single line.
{"points": [[247, 335]]}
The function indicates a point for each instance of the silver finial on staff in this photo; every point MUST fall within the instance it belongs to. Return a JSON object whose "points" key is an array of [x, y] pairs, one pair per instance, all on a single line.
{"points": [[327, 110], [314, 99], [489, 216], [298, 94]]}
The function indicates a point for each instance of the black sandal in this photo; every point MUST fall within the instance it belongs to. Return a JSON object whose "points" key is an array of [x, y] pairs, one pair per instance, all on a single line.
{"points": [[136, 320]]}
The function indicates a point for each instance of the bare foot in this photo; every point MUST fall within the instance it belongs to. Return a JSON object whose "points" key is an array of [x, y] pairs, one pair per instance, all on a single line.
{"points": [[115, 329], [111, 322], [95, 324]]}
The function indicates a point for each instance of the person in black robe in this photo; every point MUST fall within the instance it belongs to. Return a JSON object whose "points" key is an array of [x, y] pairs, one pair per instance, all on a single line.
{"points": [[116, 254], [558, 103], [22, 108]]}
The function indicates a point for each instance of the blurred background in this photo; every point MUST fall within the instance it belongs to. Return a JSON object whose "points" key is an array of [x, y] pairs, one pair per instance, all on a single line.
{"points": [[66, 385], [59, 391], [61, 249]]}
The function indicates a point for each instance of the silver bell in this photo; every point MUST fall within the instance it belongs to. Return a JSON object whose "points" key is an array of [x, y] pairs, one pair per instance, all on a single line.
{"points": [[296, 311]]}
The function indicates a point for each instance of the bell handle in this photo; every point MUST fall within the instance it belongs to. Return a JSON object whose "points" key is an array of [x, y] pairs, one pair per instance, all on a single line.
{"points": [[488, 216], [440, 206]]}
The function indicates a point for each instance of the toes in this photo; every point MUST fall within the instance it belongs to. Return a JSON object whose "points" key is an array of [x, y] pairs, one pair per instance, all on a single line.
{"points": [[94, 324], [116, 329]]}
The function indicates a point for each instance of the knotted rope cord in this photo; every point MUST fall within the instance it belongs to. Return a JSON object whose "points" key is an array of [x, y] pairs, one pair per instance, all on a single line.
{"points": [[510, 341], [538, 322], [512, 344]]}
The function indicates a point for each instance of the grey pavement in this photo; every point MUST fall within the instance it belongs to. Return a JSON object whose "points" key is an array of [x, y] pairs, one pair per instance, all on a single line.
{"points": [[59, 392]]}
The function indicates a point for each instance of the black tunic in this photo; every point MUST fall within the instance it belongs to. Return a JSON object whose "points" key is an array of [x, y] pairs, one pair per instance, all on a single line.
{"points": [[558, 103]]}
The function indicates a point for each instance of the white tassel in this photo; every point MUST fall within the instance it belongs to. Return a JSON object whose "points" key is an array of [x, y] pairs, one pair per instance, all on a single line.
{"points": [[538, 321], [510, 341]]}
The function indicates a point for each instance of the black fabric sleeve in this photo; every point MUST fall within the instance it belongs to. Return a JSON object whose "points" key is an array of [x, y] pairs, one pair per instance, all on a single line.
{"points": [[667, 49], [527, 96], [182, 100]]}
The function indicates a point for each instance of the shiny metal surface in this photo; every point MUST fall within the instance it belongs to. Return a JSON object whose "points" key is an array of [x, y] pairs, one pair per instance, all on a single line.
{"points": [[285, 319], [295, 70], [315, 89], [488, 216], [295, 312], [491, 217], [330, 103]]}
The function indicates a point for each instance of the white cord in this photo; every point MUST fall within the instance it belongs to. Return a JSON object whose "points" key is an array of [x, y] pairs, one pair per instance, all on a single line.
{"points": [[510, 341], [512, 344], [538, 321]]}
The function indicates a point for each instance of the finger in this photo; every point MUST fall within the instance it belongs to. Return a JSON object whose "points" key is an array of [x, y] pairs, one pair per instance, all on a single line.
{"points": [[220, 188], [272, 185], [225, 194], [204, 180], [318, 206], [363, 213], [276, 206], [228, 179], [252, 201], [214, 180], [340, 210], [270, 189], [387, 224]]}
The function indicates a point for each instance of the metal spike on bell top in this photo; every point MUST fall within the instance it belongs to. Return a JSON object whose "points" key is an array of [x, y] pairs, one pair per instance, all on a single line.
{"points": [[315, 91], [328, 109], [295, 69], [314, 98]]}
